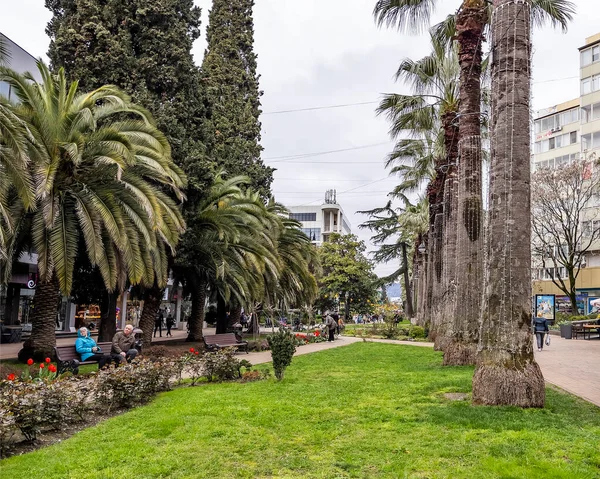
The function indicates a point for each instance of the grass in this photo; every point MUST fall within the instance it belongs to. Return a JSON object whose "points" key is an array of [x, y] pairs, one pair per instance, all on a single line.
{"points": [[367, 410]]}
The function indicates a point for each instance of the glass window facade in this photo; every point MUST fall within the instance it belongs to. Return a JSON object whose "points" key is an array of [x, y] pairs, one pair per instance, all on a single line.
{"points": [[304, 216], [314, 234]]}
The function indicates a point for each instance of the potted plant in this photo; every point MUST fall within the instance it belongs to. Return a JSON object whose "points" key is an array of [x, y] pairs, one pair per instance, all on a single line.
{"points": [[566, 329]]}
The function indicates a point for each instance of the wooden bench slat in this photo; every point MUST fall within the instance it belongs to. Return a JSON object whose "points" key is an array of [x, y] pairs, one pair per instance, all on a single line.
{"points": [[67, 353], [225, 340]]}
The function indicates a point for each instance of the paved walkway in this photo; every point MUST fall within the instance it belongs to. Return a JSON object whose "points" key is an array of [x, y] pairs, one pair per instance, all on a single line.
{"points": [[571, 364]]}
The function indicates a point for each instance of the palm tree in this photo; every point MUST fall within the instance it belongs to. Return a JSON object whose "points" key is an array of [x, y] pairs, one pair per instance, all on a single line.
{"points": [[429, 117], [224, 248], [100, 167], [468, 28], [506, 372]]}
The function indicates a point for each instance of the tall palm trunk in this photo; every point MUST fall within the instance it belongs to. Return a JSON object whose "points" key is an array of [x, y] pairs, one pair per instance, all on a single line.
{"points": [[152, 299], [506, 372], [108, 317], [222, 321], [407, 287], [462, 344], [196, 321], [41, 343], [447, 235]]}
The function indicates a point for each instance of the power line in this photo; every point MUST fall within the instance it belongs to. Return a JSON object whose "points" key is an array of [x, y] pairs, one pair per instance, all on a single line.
{"points": [[327, 107], [286, 158], [351, 189]]}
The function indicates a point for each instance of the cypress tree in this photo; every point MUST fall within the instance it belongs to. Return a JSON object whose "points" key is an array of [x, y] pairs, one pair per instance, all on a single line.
{"points": [[143, 47], [231, 94]]}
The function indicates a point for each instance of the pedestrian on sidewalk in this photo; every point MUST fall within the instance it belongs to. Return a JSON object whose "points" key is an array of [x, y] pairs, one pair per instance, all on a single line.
{"points": [[158, 324], [170, 324], [540, 328]]}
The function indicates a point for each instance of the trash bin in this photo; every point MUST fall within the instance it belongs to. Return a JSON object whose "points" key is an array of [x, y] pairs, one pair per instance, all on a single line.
{"points": [[139, 334], [566, 331]]}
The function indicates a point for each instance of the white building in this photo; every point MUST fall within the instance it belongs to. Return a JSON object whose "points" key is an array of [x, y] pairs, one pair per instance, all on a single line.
{"points": [[318, 222]]}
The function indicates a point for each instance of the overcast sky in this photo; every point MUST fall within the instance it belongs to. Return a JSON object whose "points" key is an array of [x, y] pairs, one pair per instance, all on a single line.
{"points": [[318, 53]]}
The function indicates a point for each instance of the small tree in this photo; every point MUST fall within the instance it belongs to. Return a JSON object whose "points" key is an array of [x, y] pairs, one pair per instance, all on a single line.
{"points": [[564, 221], [283, 347]]}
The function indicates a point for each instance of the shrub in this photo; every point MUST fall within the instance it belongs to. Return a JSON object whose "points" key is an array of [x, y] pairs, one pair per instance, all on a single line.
{"points": [[222, 365], [283, 347], [23, 402], [417, 332], [250, 376], [131, 384]]}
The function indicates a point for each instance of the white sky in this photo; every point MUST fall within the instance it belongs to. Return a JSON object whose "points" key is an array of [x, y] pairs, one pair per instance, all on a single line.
{"points": [[319, 53]]}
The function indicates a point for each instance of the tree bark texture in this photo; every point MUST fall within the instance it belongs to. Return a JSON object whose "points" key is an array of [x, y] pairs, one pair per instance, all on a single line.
{"points": [[221, 315], [41, 342], [152, 299], [438, 322], [409, 297], [196, 321], [462, 344], [506, 372], [108, 317]]}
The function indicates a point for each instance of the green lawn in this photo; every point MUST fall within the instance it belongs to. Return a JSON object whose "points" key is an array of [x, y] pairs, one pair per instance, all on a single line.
{"points": [[366, 411]]}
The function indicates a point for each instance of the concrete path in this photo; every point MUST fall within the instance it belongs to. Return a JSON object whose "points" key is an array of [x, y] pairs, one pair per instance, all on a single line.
{"points": [[571, 364]]}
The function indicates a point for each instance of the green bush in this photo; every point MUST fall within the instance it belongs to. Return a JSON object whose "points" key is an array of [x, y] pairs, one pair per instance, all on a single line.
{"points": [[283, 347], [222, 365], [417, 332]]}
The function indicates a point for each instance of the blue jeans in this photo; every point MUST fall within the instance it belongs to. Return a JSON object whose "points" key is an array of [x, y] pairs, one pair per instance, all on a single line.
{"points": [[539, 335]]}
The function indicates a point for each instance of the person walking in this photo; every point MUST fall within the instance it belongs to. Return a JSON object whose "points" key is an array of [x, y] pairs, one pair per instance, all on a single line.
{"points": [[158, 324], [540, 328], [170, 324]]}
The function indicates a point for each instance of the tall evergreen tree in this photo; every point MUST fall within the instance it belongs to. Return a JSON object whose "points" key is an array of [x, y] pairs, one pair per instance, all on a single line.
{"points": [[231, 94]]}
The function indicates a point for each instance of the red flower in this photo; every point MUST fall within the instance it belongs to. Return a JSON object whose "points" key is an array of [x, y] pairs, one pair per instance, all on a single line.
{"points": [[52, 368], [317, 333], [30, 361], [42, 365], [48, 360], [192, 350], [196, 353], [11, 377]]}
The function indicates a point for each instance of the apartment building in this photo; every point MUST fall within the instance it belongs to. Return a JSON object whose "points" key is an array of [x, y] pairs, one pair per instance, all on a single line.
{"points": [[562, 134], [318, 222]]}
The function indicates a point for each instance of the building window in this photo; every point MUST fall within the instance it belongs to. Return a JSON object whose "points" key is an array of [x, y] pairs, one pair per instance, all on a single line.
{"points": [[586, 86], [314, 234], [596, 53], [586, 57], [573, 136], [304, 216]]}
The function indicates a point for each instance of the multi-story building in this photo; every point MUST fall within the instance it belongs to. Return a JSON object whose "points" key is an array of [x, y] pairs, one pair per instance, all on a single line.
{"points": [[563, 133], [318, 222]]}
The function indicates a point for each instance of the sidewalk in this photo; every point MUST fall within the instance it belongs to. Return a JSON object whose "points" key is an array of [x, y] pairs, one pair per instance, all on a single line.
{"points": [[573, 365]]}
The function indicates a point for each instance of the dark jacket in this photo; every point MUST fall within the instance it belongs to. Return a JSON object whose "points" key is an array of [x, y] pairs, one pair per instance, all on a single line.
{"points": [[122, 343], [540, 325]]}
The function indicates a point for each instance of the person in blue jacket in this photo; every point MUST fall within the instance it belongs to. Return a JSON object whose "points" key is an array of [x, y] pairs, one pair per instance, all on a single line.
{"points": [[87, 348], [540, 328]]}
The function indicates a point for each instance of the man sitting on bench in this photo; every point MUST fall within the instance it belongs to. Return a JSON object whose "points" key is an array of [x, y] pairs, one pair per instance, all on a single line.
{"points": [[88, 350], [122, 345]]}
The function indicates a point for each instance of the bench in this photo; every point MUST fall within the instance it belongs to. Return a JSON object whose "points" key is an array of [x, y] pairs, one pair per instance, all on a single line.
{"points": [[68, 359], [227, 340]]}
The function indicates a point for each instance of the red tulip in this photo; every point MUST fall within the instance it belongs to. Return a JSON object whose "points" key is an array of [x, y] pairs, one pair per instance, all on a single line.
{"points": [[48, 360], [11, 377], [192, 350], [52, 368], [30, 361], [42, 365], [196, 353]]}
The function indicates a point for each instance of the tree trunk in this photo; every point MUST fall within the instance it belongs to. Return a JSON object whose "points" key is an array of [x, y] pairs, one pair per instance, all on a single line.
{"points": [[221, 315], [409, 297], [108, 317], [196, 320], [41, 342], [235, 314], [462, 341], [506, 372], [152, 299]]}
